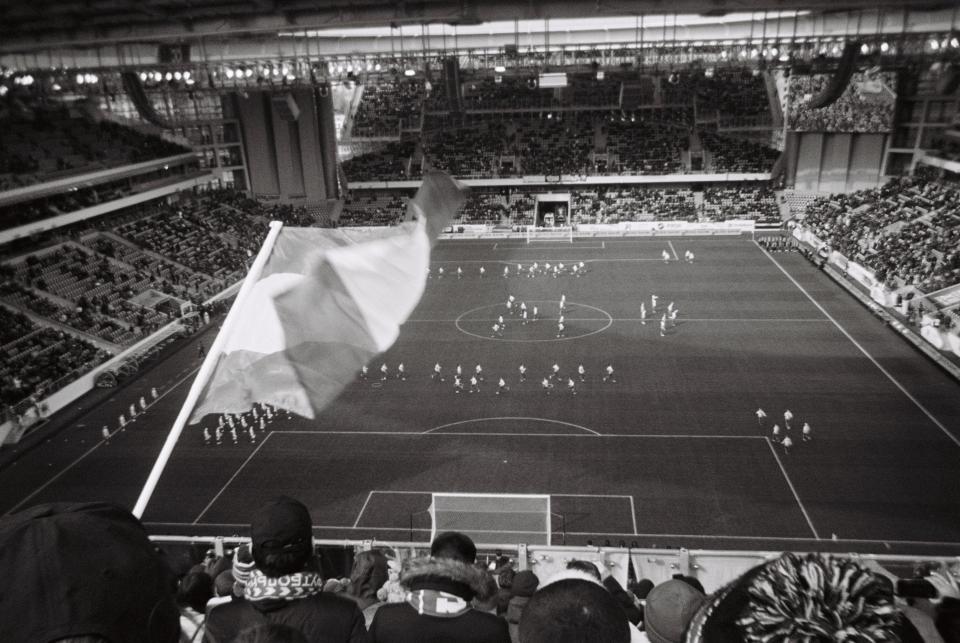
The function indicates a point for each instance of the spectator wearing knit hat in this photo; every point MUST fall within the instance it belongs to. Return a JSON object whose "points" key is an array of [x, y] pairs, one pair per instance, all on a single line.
{"points": [[437, 606], [83, 570], [803, 598], [285, 586], [668, 610]]}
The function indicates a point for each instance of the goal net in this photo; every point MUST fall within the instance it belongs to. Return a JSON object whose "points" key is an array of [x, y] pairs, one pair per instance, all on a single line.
{"points": [[555, 233], [492, 517]]}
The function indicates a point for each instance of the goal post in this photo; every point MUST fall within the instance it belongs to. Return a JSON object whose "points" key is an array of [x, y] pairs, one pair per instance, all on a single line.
{"points": [[493, 517], [555, 233]]}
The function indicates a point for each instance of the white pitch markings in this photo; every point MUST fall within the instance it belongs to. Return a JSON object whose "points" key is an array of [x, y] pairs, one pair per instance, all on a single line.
{"points": [[843, 330], [794, 491], [676, 257]]}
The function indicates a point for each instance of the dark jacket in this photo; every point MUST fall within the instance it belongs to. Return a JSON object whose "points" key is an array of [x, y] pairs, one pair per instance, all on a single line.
{"points": [[322, 618], [402, 623], [514, 612]]}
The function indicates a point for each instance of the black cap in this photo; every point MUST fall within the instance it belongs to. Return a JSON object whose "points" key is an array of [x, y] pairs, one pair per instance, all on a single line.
{"points": [[281, 525]]}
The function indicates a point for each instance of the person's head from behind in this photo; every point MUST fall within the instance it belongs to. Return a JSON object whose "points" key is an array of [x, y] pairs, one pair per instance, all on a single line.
{"points": [[453, 545], [270, 633], [585, 566], [196, 588], [573, 611], [282, 537], [84, 572]]}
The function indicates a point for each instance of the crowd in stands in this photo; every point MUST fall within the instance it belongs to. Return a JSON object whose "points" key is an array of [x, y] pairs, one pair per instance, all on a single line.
{"points": [[388, 164], [631, 203], [40, 142], [866, 105], [89, 570], [733, 94], [730, 154], [374, 208], [386, 106], [738, 202], [468, 151], [907, 232], [35, 358], [78, 198], [646, 147], [554, 146]]}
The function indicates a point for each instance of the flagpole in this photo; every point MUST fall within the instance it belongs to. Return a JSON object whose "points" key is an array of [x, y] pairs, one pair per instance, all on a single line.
{"points": [[206, 369]]}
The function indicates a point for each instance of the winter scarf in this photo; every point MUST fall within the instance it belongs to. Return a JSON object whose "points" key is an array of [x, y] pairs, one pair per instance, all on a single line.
{"points": [[289, 587]]}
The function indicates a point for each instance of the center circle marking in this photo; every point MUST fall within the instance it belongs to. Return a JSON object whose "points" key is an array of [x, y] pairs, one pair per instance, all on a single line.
{"points": [[463, 330]]}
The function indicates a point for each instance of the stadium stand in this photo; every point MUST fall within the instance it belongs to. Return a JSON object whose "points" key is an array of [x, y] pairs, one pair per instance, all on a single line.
{"points": [[386, 106], [737, 155], [388, 164], [646, 147], [907, 231], [724, 203], [373, 208], [855, 111], [630, 203], [41, 143], [37, 359], [78, 198]]}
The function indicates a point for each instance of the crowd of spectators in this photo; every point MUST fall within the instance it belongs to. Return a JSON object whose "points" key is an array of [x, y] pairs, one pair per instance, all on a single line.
{"points": [[374, 208], [35, 357], [614, 204], [78, 198], [737, 155], [39, 142], [554, 146], [738, 95], [467, 151], [387, 105], [89, 570], [388, 164], [907, 231], [866, 105], [646, 147], [741, 202]]}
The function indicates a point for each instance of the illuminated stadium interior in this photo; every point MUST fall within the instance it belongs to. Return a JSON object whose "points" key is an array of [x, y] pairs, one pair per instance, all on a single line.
{"points": [[699, 306]]}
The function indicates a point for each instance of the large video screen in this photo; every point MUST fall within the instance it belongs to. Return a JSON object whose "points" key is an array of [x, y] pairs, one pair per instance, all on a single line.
{"points": [[866, 105]]}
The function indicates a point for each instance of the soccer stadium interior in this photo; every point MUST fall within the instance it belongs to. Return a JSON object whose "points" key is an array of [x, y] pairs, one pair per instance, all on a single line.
{"points": [[700, 308]]}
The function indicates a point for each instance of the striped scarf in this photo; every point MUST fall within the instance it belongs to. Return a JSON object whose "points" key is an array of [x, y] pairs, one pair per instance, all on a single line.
{"points": [[289, 587]]}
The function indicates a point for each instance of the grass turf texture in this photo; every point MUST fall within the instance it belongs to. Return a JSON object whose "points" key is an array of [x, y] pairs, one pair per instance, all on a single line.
{"points": [[676, 432]]}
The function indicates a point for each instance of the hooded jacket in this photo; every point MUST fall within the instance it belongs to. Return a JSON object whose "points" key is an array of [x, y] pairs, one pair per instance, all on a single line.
{"points": [[437, 608]]}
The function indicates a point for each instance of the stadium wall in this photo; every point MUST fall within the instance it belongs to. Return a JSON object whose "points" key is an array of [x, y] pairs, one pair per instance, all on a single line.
{"points": [[713, 568], [284, 144], [834, 161]]}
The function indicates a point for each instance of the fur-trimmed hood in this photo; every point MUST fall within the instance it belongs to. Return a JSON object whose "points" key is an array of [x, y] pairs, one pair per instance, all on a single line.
{"points": [[447, 575]]}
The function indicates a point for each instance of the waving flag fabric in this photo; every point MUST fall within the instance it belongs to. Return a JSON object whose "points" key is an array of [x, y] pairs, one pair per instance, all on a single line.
{"points": [[326, 302]]}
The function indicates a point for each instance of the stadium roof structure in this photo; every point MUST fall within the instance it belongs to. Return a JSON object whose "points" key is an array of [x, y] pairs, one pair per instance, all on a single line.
{"points": [[37, 24]]}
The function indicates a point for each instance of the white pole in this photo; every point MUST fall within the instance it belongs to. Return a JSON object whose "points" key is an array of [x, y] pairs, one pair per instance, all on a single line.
{"points": [[206, 369]]}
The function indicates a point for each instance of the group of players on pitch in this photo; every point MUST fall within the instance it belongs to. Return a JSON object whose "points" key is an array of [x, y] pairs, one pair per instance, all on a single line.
{"points": [[783, 437], [536, 269], [471, 384]]}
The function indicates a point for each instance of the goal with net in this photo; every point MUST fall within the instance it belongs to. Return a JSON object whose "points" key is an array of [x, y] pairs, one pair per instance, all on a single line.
{"points": [[493, 517], [554, 234]]}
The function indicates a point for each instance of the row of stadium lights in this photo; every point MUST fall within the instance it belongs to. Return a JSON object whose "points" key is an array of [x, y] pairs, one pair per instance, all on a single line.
{"points": [[170, 76], [285, 72]]}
